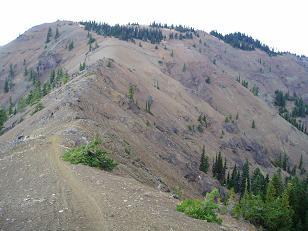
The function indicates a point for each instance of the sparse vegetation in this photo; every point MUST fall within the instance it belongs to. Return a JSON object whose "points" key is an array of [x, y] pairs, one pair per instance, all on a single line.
{"points": [[8, 83], [56, 79], [92, 155]]}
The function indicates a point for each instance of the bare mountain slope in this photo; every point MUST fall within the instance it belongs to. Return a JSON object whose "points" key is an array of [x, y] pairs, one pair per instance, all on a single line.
{"points": [[161, 149]]}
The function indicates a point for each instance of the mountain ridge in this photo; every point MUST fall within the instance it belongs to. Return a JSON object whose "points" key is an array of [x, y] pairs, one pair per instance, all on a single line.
{"points": [[183, 80]]}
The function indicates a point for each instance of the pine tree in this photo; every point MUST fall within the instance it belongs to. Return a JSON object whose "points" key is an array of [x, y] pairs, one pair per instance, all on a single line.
{"points": [[300, 165], [57, 35], [245, 178], [71, 45], [253, 125], [258, 183], [277, 182], [184, 68], [232, 180], [10, 111], [6, 86], [11, 72], [49, 35], [285, 162], [3, 117], [148, 104], [204, 163], [228, 180], [26, 71], [219, 168], [131, 92], [271, 192]]}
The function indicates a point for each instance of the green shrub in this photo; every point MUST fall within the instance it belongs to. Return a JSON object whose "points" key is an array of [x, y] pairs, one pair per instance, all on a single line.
{"points": [[91, 155], [39, 106], [201, 209]]}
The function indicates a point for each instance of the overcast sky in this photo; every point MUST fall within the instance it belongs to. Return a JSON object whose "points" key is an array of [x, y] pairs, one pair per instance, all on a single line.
{"points": [[282, 24]]}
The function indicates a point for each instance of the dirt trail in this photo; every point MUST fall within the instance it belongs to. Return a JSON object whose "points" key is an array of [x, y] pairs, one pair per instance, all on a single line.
{"points": [[84, 198], [39, 191]]}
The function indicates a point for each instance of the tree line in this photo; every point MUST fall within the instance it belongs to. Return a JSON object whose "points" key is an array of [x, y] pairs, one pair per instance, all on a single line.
{"points": [[300, 109], [179, 28], [244, 42], [273, 203], [125, 32]]}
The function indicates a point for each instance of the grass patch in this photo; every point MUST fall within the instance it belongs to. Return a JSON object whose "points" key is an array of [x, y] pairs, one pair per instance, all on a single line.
{"points": [[90, 154], [201, 209]]}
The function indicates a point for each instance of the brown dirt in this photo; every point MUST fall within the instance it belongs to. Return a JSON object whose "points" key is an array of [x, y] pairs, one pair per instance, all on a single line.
{"points": [[45, 193]]}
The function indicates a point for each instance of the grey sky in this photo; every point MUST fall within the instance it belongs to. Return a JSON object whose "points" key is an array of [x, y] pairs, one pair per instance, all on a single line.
{"points": [[281, 24]]}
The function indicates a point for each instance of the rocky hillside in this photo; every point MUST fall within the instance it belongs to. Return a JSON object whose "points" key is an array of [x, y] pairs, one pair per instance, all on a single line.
{"points": [[145, 101]]}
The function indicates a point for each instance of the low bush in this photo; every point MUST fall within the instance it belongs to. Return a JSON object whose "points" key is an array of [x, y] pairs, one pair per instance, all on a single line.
{"points": [[90, 154], [39, 106], [202, 209]]}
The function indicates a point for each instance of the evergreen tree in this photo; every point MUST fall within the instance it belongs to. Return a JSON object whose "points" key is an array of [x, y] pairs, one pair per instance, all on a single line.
{"points": [[148, 104], [232, 183], [3, 117], [71, 45], [245, 178], [204, 163], [219, 169], [49, 35], [11, 72], [6, 86], [285, 162], [300, 165], [82, 66], [277, 183], [131, 92], [57, 35], [10, 111], [280, 99], [258, 184], [253, 125], [298, 199], [26, 71], [277, 213]]}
